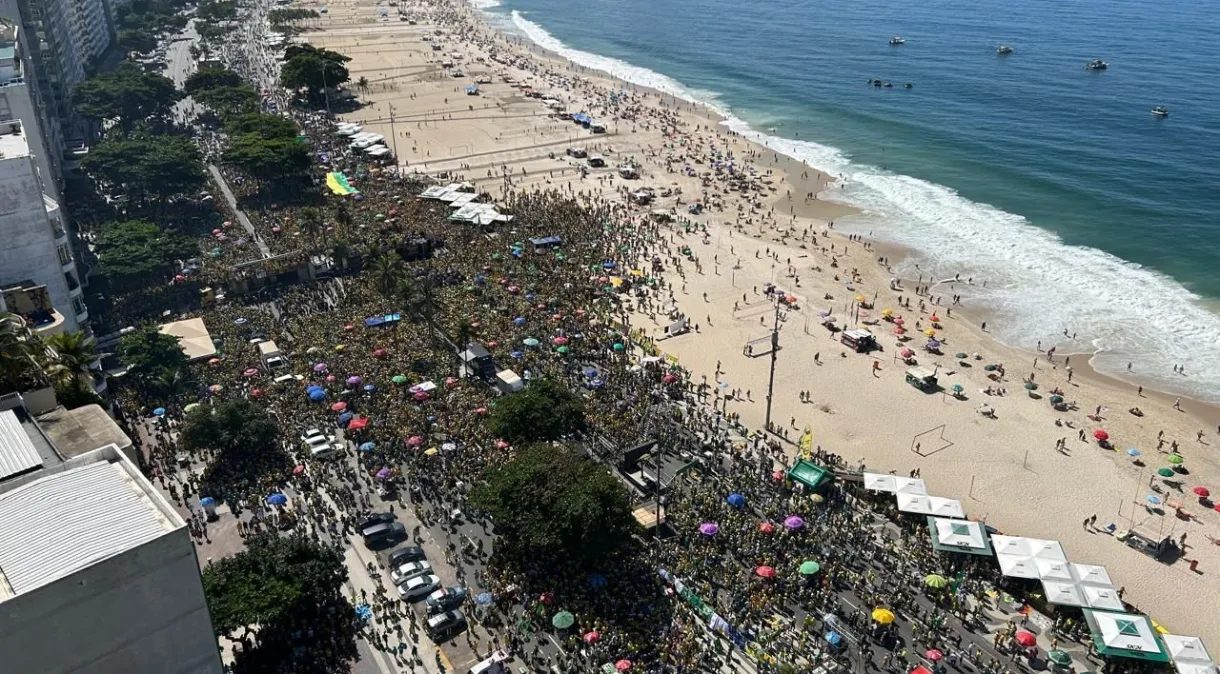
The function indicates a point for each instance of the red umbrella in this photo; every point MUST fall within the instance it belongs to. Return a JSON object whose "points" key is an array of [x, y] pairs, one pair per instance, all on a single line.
{"points": [[1217, 507], [1101, 435], [778, 476], [256, 393], [622, 665], [933, 654], [298, 469], [765, 572], [1025, 638], [358, 423], [920, 670], [339, 406], [591, 637], [547, 598], [1201, 492], [767, 528]]}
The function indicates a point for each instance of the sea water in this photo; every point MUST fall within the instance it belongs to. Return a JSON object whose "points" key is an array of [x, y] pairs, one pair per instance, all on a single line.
{"points": [[1053, 184]]}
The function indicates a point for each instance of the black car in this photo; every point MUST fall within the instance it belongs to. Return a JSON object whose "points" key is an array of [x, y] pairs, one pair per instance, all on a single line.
{"points": [[446, 625], [384, 535], [408, 553], [373, 519], [445, 599]]}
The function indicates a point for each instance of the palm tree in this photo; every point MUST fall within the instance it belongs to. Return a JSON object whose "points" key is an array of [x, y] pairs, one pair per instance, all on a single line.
{"points": [[387, 272], [310, 223], [343, 215], [363, 84], [75, 354], [22, 355]]}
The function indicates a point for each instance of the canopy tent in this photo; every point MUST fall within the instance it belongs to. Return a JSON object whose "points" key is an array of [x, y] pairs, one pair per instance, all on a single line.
{"points": [[879, 482], [808, 473], [1018, 555], [930, 505], [895, 484], [1083, 585], [959, 536], [193, 337], [1189, 655], [1125, 635]]}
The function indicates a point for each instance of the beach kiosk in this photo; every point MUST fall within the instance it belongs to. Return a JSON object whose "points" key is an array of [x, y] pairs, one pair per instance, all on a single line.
{"points": [[860, 341], [922, 378]]}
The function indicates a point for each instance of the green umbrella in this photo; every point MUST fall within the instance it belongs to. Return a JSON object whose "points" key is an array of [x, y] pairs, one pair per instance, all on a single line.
{"points": [[935, 581], [1055, 400], [618, 346], [1031, 386], [1059, 658], [989, 367], [1175, 459], [562, 349], [1164, 472], [530, 341], [810, 567], [563, 620], [960, 354], [957, 388], [399, 379]]}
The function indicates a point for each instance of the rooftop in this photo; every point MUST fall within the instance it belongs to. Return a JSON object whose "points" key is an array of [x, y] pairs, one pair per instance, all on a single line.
{"points": [[66, 518], [84, 429], [193, 335], [17, 451], [12, 140]]}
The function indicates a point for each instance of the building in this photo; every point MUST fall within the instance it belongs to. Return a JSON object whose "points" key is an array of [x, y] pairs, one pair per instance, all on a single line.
{"points": [[33, 303], [36, 246], [19, 100], [97, 571]]}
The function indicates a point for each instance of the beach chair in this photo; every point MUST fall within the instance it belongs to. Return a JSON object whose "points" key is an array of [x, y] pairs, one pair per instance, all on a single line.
{"points": [[1110, 528]]}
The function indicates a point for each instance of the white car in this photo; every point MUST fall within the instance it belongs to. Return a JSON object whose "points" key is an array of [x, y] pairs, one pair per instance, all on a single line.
{"points": [[410, 570], [318, 444], [418, 587]]}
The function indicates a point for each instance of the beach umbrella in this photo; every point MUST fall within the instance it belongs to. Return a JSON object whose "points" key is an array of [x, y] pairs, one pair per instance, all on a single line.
{"points": [[1059, 657], [1175, 459], [547, 598], [160, 412], [883, 615], [483, 598], [596, 580], [517, 354], [415, 441], [213, 361], [591, 637], [958, 388], [354, 380], [833, 638], [900, 320], [399, 379], [384, 473], [766, 528], [563, 620], [929, 332], [809, 568], [369, 388], [562, 349], [277, 499], [358, 423], [319, 367], [1031, 386], [420, 396], [249, 372], [530, 341], [195, 406], [906, 352], [380, 353], [618, 346], [317, 395], [794, 522], [1216, 507], [501, 444], [1101, 435], [622, 665], [736, 500], [345, 417], [1164, 472], [933, 654], [960, 354], [1133, 452], [1201, 492], [298, 469], [1025, 638], [933, 344], [338, 407], [1153, 499], [1056, 399], [519, 321], [559, 341], [935, 581], [990, 367], [765, 572], [207, 501], [481, 411], [709, 528], [216, 388]]}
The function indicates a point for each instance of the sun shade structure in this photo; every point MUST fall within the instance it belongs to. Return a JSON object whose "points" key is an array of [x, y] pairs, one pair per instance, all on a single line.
{"points": [[1125, 635], [930, 505], [959, 536], [1089, 587], [809, 474], [1189, 655], [894, 484], [1018, 556]]}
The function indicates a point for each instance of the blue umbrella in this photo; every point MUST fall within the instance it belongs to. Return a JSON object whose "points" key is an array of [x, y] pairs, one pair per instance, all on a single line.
{"points": [[834, 638], [484, 599], [519, 321], [368, 446], [160, 411], [277, 499], [207, 501], [736, 500], [1153, 499], [596, 580], [517, 354], [1133, 452], [344, 418], [317, 395], [369, 388]]}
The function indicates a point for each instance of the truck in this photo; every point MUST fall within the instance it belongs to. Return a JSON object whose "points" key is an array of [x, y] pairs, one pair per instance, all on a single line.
{"points": [[507, 381], [270, 355], [860, 341], [922, 378]]}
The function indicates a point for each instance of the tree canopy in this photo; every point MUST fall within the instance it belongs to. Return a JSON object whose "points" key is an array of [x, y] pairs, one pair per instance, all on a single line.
{"points": [[136, 251], [264, 125], [279, 585], [545, 410], [212, 11], [552, 502], [22, 355], [267, 159], [211, 78], [311, 68], [126, 95], [146, 165], [149, 354], [247, 456]]}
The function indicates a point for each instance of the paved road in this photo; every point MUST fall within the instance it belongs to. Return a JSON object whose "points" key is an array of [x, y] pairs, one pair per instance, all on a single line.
{"points": [[219, 179]]}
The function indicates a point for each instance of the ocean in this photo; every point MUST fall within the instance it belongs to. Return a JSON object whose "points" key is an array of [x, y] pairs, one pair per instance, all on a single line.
{"points": [[1055, 184]]}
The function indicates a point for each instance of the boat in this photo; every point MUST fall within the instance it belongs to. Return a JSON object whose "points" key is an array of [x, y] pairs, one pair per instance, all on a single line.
{"points": [[1003, 50], [897, 40], [1096, 64], [1160, 111]]}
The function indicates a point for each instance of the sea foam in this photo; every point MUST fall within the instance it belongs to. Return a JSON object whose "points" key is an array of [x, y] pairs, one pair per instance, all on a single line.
{"points": [[1035, 285]]}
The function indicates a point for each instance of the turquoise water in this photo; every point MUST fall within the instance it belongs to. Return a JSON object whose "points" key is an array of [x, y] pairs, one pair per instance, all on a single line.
{"points": [[1056, 184]]}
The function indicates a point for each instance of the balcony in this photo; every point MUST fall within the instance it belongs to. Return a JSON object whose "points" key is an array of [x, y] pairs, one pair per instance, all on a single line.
{"points": [[48, 325]]}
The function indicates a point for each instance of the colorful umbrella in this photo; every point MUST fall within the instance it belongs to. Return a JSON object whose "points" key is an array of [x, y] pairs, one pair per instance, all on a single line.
{"points": [[1164, 472], [1059, 657], [563, 620], [765, 572], [1101, 435], [883, 615], [935, 581], [709, 528], [1201, 492], [794, 522], [933, 654], [622, 665], [810, 568], [1025, 638], [1175, 459], [736, 500]]}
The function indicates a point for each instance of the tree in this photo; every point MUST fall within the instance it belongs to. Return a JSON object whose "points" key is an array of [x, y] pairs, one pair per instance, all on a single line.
{"points": [[136, 251], [267, 159], [211, 78], [74, 354], [150, 353], [552, 503], [22, 356], [226, 101], [146, 166], [132, 39], [310, 223], [545, 410], [363, 84], [215, 11], [126, 95], [313, 69], [277, 586], [246, 452], [388, 273], [262, 125]]}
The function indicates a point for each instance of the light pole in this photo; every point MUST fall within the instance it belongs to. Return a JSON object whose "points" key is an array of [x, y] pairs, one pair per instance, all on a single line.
{"points": [[774, 358]]}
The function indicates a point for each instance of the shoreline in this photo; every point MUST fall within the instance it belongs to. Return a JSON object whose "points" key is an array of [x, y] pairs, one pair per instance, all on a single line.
{"points": [[1023, 485]]}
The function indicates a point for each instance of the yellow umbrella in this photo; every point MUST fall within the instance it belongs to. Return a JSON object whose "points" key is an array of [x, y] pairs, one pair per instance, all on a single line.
{"points": [[887, 312], [1160, 629], [339, 347], [929, 332], [883, 615], [859, 298], [431, 451]]}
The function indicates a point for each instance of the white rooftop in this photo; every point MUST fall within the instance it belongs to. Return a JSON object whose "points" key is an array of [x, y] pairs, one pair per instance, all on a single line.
{"points": [[17, 452], [54, 526], [13, 145]]}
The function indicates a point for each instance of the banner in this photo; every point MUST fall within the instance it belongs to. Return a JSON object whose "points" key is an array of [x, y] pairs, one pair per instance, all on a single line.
{"points": [[337, 182]]}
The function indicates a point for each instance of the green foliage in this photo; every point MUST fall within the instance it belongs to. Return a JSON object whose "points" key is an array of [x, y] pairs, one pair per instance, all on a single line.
{"points": [[22, 355], [263, 125], [279, 17], [76, 394], [545, 410], [308, 67], [127, 95], [280, 585], [147, 19], [74, 353], [135, 251], [151, 354], [211, 78], [212, 11], [146, 166], [222, 90], [267, 159], [246, 454], [551, 503], [134, 39]]}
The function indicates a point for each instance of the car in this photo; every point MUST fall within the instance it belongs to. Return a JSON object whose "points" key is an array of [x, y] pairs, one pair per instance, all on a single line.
{"points": [[317, 443], [373, 519], [384, 535], [409, 553], [445, 599], [418, 587], [443, 626], [410, 570]]}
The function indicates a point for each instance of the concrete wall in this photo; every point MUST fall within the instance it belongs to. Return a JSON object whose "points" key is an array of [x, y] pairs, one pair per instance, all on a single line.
{"points": [[142, 612], [16, 102], [29, 250]]}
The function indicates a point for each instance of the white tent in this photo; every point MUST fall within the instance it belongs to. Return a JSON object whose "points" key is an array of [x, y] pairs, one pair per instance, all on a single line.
{"points": [[1092, 575], [1189, 655], [880, 482], [1085, 585], [959, 536], [1052, 570], [930, 505], [910, 485], [1018, 555]]}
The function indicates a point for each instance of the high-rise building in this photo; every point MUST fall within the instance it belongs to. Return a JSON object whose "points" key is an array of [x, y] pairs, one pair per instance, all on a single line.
{"points": [[98, 573]]}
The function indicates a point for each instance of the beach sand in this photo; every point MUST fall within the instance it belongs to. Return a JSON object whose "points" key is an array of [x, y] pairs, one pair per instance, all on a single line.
{"points": [[1006, 470]]}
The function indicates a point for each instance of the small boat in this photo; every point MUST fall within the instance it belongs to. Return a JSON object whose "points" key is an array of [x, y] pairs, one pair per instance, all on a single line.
{"points": [[1003, 50], [897, 40], [1160, 111], [1096, 64]]}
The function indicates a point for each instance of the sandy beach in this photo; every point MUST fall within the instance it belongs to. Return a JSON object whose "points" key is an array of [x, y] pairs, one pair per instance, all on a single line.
{"points": [[769, 219]]}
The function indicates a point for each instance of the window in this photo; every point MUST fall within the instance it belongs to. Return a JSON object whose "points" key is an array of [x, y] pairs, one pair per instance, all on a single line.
{"points": [[65, 255], [79, 306]]}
